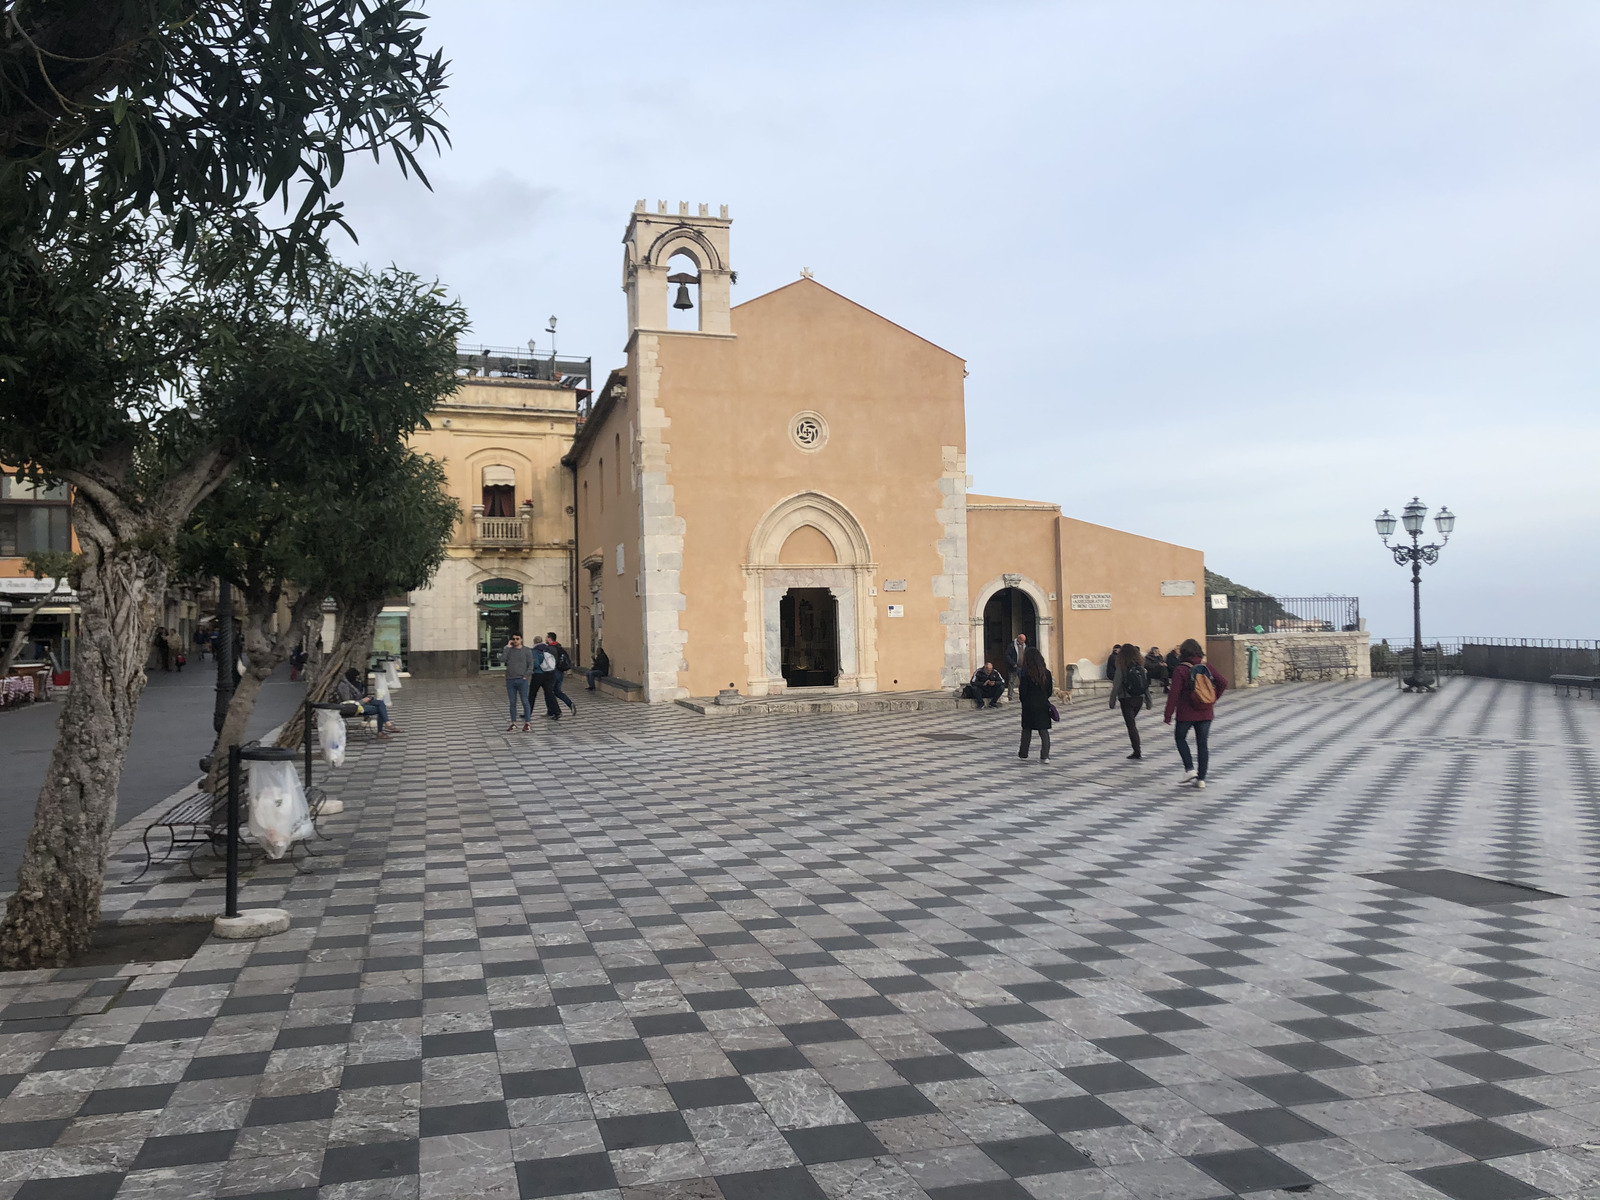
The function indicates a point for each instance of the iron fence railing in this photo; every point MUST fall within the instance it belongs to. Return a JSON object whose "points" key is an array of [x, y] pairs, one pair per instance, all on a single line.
{"points": [[1440, 656], [1284, 614]]}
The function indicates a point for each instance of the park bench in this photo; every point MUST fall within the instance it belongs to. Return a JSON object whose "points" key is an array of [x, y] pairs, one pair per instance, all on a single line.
{"points": [[200, 820], [193, 822], [1318, 661], [1568, 682]]}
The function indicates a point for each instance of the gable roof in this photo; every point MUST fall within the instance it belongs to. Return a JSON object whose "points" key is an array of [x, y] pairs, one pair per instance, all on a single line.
{"points": [[806, 282]]}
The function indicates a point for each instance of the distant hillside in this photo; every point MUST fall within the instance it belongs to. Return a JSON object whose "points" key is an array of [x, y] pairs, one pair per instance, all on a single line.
{"points": [[1222, 585]]}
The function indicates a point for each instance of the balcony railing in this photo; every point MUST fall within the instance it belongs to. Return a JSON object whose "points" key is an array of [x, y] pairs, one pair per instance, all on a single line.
{"points": [[505, 532]]}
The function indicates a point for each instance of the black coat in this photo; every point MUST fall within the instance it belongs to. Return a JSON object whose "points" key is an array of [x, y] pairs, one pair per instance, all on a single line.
{"points": [[1036, 702]]}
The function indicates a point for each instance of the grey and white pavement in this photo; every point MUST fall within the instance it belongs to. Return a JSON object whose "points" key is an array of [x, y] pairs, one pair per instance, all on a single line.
{"points": [[645, 954]]}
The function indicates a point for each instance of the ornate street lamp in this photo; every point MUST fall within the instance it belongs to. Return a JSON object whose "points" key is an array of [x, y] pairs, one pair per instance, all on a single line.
{"points": [[1414, 518]]}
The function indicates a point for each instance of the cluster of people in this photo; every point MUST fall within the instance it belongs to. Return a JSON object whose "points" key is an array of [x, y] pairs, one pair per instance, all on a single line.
{"points": [[1190, 685], [1026, 677], [1160, 667], [169, 649], [530, 670], [1192, 689]]}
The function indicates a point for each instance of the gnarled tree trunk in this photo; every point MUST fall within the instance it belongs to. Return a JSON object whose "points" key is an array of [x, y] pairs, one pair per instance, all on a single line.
{"points": [[51, 916], [265, 650], [358, 619]]}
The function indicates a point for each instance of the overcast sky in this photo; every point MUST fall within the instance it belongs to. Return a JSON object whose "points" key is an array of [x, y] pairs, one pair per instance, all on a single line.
{"points": [[1235, 275]]}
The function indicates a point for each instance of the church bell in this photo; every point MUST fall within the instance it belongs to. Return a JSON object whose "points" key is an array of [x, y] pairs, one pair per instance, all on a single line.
{"points": [[683, 279]]}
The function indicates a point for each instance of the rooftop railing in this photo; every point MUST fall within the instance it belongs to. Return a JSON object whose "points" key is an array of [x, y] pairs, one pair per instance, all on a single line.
{"points": [[497, 362]]}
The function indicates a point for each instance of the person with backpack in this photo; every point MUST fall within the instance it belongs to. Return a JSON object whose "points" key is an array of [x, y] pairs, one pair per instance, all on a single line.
{"points": [[1130, 688], [544, 677], [563, 665], [1195, 688], [1035, 689]]}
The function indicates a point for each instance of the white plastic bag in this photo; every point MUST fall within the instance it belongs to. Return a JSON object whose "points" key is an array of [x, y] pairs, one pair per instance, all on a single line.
{"points": [[330, 732], [391, 675], [279, 815], [380, 687]]}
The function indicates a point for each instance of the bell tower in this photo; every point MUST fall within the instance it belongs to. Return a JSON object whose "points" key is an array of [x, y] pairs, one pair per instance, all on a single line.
{"points": [[652, 239]]}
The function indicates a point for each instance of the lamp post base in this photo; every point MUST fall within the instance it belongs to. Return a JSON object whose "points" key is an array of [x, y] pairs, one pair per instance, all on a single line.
{"points": [[1423, 683], [256, 923]]}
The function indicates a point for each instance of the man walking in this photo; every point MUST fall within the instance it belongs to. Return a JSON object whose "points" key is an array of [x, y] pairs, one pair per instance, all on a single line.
{"points": [[519, 666], [563, 665], [1015, 652], [544, 676]]}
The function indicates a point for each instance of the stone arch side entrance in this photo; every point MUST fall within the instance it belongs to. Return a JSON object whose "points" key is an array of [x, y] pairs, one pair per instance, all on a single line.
{"points": [[847, 578], [1043, 610]]}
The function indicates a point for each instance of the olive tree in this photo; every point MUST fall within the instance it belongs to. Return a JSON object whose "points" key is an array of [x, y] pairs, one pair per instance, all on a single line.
{"points": [[143, 144], [189, 385], [382, 538]]}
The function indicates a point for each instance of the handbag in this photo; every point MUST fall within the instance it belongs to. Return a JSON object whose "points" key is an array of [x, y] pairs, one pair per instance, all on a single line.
{"points": [[1056, 716]]}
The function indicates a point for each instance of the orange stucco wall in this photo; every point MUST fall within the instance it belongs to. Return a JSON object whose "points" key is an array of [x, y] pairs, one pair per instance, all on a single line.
{"points": [[608, 516], [892, 402], [1097, 559], [1013, 537]]}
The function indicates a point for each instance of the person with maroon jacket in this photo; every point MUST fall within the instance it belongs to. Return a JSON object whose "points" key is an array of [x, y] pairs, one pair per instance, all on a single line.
{"points": [[1192, 711]]}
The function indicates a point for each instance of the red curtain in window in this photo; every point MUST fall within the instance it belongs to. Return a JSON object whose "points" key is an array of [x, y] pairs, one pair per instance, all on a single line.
{"points": [[499, 501]]}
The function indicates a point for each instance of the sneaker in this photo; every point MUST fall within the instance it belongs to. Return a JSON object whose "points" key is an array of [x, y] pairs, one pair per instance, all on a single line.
{"points": [[1135, 755], [1188, 776], [1200, 784], [511, 728], [527, 725]]}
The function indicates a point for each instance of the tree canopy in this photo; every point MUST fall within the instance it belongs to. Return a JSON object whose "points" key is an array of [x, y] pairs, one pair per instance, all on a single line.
{"points": [[199, 109]]}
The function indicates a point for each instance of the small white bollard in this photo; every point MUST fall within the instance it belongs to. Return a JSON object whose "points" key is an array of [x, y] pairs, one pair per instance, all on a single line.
{"points": [[256, 923]]}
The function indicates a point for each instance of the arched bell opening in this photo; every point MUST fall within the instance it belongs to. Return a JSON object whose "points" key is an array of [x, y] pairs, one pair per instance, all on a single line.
{"points": [[683, 291]]}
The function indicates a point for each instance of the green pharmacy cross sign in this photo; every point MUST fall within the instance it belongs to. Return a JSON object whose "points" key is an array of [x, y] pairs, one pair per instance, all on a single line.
{"points": [[500, 594]]}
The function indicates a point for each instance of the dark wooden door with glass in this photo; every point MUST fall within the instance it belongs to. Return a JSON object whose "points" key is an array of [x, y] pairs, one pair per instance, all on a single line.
{"points": [[809, 618]]}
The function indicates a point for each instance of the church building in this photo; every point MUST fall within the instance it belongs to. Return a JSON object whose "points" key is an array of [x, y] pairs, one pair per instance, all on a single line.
{"points": [[778, 499]]}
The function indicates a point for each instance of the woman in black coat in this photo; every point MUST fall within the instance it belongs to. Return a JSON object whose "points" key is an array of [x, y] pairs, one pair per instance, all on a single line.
{"points": [[1036, 690]]}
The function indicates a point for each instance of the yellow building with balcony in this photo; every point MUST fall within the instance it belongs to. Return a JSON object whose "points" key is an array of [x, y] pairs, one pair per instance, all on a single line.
{"points": [[509, 568]]}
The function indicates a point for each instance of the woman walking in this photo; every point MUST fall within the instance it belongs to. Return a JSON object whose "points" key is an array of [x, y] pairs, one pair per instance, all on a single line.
{"points": [[1195, 688], [1036, 688], [1130, 688]]}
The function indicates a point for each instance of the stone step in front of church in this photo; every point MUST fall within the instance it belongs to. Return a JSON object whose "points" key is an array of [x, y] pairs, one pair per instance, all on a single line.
{"points": [[869, 702]]}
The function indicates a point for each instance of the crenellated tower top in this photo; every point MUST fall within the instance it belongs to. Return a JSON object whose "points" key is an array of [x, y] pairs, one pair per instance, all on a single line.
{"points": [[652, 240]]}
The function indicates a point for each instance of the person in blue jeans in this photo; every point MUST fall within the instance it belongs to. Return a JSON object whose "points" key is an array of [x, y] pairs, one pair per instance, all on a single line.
{"points": [[563, 665], [1193, 711], [519, 666], [351, 690]]}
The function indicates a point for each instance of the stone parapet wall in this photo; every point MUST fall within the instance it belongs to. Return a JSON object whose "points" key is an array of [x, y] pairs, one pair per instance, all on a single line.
{"points": [[1229, 653]]}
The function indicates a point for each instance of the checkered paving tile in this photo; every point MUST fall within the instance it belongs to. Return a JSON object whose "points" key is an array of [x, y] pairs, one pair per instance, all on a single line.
{"points": [[644, 954]]}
